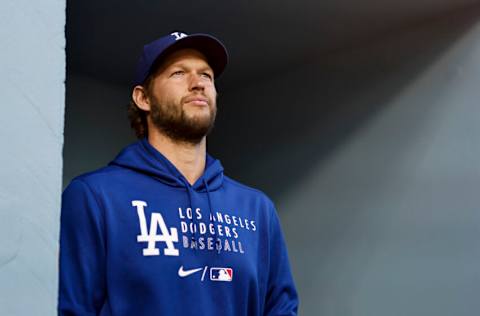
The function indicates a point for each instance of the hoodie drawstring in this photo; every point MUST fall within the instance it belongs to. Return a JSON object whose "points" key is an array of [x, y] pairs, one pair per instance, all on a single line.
{"points": [[218, 246], [194, 220], [209, 199]]}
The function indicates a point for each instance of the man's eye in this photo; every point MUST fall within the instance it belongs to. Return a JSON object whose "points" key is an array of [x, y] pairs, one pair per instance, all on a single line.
{"points": [[178, 73], [207, 75]]}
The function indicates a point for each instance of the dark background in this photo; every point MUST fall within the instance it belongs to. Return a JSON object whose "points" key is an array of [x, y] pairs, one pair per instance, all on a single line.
{"points": [[358, 118]]}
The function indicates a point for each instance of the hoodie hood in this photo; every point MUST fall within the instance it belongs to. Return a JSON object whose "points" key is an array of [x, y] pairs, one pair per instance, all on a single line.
{"points": [[144, 158]]}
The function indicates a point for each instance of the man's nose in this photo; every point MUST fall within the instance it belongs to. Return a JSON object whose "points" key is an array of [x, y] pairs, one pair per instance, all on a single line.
{"points": [[196, 82]]}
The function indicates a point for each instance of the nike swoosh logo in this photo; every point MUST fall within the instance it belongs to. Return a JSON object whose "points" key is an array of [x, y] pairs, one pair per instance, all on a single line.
{"points": [[183, 273]]}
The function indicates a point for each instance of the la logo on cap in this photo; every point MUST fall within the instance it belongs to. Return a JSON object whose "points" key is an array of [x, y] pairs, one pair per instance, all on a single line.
{"points": [[178, 35]]}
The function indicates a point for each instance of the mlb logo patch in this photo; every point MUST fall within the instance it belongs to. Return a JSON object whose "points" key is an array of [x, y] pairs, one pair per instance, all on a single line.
{"points": [[221, 274]]}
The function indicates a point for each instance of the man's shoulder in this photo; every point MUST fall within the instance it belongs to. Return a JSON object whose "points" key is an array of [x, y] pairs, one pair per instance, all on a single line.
{"points": [[99, 176], [246, 190]]}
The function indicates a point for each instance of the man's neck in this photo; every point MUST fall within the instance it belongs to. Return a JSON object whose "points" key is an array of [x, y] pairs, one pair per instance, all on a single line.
{"points": [[189, 159]]}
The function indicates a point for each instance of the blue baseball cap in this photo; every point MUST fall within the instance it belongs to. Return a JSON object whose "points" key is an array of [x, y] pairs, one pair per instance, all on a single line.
{"points": [[211, 47]]}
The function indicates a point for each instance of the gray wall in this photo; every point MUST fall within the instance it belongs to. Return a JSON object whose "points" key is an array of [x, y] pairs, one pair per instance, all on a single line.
{"points": [[373, 157], [370, 153], [32, 74]]}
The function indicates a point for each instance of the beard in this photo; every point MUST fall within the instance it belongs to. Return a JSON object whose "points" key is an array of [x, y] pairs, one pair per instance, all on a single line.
{"points": [[172, 120]]}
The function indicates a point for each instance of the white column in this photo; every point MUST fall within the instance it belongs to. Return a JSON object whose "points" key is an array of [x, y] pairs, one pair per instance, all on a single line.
{"points": [[32, 90]]}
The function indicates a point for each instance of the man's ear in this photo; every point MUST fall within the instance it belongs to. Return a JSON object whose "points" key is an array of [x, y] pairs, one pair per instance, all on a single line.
{"points": [[139, 96]]}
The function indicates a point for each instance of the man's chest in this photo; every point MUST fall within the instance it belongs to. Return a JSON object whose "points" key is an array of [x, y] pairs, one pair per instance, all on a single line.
{"points": [[172, 242]]}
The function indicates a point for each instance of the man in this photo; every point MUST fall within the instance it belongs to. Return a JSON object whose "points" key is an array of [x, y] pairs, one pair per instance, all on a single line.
{"points": [[161, 230]]}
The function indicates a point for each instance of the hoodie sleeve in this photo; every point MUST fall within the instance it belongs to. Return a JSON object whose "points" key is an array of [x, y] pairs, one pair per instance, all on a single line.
{"points": [[82, 253], [282, 298]]}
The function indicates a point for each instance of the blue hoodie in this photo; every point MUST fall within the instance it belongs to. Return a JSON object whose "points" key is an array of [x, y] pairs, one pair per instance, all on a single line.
{"points": [[137, 239]]}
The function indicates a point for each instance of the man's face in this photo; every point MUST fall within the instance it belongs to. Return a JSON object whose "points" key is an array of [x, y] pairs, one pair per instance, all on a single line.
{"points": [[183, 97]]}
